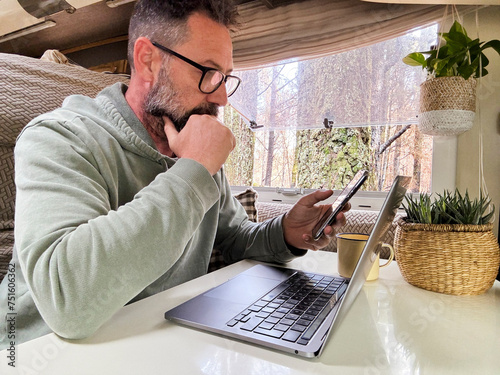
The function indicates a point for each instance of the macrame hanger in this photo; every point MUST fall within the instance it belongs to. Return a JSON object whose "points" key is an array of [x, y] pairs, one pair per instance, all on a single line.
{"points": [[441, 28], [455, 16], [482, 182]]}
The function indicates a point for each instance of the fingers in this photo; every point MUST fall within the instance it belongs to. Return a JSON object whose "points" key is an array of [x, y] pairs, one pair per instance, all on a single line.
{"points": [[327, 235], [316, 197], [170, 129], [329, 231], [318, 244], [311, 243], [171, 133], [203, 139], [346, 207], [340, 220]]}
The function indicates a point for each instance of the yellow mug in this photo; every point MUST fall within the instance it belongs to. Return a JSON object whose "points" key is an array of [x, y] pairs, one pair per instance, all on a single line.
{"points": [[349, 249]]}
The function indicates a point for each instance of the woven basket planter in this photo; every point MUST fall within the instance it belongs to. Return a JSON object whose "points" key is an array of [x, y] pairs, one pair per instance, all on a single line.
{"points": [[447, 105], [447, 258]]}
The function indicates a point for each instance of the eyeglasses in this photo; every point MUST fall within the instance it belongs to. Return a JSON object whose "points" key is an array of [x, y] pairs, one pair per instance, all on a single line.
{"points": [[211, 79]]}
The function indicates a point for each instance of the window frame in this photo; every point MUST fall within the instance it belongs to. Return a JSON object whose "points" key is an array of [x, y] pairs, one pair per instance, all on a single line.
{"points": [[444, 161], [443, 176]]}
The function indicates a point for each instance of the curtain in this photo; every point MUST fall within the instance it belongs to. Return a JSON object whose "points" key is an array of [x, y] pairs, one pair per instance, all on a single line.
{"points": [[317, 28], [361, 87]]}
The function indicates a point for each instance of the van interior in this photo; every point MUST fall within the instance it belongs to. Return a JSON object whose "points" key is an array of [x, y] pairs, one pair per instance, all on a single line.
{"points": [[93, 34]]}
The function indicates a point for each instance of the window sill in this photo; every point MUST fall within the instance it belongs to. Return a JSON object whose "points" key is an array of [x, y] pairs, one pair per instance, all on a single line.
{"points": [[363, 200]]}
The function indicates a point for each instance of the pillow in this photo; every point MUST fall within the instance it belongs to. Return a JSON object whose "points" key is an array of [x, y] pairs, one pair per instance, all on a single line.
{"points": [[268, 210], [6, 244], [248, 198], [31, 87]]}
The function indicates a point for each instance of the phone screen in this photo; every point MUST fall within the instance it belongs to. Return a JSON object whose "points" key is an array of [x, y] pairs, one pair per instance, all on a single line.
{"points": [[339, 203]]}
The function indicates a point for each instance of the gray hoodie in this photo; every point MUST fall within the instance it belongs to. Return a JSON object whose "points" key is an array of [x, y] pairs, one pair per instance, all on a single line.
{"points": [[104, 219]]}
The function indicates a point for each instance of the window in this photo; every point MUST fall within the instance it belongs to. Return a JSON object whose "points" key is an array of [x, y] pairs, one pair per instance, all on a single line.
{"points": [[313, 123]]}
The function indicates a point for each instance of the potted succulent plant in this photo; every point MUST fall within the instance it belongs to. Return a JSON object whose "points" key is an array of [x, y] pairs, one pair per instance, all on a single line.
{"points": [[448, 96], [447, 245]]}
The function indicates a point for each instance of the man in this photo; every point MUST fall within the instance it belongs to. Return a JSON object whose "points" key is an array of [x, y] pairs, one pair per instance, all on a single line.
{"points": [[123, 196]]}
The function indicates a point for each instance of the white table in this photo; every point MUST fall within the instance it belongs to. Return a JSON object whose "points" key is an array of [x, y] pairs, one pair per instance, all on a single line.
{"points": [[392, 328]]}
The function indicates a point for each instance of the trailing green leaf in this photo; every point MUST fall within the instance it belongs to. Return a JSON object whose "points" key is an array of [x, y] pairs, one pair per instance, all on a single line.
{"points": [[459, 55]]}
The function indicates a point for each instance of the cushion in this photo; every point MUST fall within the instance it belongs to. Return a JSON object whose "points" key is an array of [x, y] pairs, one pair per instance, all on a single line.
{"points": [[7, 188], [30, 87], [248, 199], [357, 221], [269, 210], [6, 244]]}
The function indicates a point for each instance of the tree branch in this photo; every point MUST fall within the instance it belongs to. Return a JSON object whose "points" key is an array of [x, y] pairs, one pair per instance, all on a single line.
{"points": [[384, 147]]}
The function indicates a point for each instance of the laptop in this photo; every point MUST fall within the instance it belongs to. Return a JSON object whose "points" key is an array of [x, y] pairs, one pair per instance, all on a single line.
{"points": [[285, 309]]}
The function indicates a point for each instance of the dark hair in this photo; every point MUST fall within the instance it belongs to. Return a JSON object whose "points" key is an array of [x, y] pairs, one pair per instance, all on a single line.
{"points": [[165, 21]]}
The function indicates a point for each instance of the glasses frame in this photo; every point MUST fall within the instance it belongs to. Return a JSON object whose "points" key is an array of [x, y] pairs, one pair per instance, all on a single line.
{"points": [[204, 70]]}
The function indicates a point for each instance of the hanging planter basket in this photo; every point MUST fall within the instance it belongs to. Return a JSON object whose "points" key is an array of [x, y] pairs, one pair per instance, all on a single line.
{"points": [[447, 105], [447, 258]]}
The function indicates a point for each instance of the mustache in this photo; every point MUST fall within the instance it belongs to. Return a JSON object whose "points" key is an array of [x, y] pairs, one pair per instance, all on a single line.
{"points": [[208, 109], [180, 122]]}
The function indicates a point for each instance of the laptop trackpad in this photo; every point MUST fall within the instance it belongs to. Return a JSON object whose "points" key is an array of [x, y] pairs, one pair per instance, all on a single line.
{"points": [[221, 303], [251, 284], [242, 289]]}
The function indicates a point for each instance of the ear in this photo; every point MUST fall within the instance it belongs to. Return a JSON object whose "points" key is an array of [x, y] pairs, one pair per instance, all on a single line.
{"points": [[147, 60]]}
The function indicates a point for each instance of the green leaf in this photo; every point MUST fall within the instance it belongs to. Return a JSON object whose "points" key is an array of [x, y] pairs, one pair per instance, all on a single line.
{"points": [[487, 218], [457, 55], [454, 47], [475, 67], [430, 52], [448, 208], [495, 44], [483, 59], [456, 39], [441, 53], [458, 28], [466, 71], [440, 65], [415, 59], [474, 47]]}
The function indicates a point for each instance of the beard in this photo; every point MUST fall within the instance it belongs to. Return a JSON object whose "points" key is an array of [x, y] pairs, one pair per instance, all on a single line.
{"points": [[163, 100]]}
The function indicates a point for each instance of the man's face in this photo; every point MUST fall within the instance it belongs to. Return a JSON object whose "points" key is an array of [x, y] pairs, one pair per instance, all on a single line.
{"points": [[175, 93], [165, 100]]}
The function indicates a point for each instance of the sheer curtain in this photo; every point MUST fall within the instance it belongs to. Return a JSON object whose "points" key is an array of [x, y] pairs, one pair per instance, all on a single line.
{"points": [[316, 28], [324, 63]]}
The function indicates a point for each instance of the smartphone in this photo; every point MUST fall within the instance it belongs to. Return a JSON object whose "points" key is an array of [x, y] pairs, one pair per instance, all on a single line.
{"points": [[339, 203]]}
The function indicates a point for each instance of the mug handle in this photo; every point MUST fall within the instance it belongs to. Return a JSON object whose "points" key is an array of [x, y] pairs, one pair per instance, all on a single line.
{"points": [[391, 256]]}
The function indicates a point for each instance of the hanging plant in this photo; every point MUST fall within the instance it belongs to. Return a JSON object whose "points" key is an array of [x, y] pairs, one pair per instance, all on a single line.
{"points": [[448, 96], [459, 55]]}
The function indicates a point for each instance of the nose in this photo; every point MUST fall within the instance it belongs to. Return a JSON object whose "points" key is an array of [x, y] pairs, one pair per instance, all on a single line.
{"points": [[219, 96]]}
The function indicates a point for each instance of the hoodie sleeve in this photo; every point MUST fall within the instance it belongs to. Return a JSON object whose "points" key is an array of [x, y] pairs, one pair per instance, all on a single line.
{"points": [[84, 255], [239, 238]]}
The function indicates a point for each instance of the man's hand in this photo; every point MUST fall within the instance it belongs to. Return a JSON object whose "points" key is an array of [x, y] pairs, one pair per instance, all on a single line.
{"points": [[203, 139], [300, 221]]}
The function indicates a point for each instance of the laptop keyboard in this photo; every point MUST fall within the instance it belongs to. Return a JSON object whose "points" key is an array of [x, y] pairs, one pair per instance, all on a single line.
{"points": [[294, 310]]}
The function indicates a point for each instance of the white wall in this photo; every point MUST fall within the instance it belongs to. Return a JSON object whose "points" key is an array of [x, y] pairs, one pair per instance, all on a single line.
{"points": [[487, 117]]}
